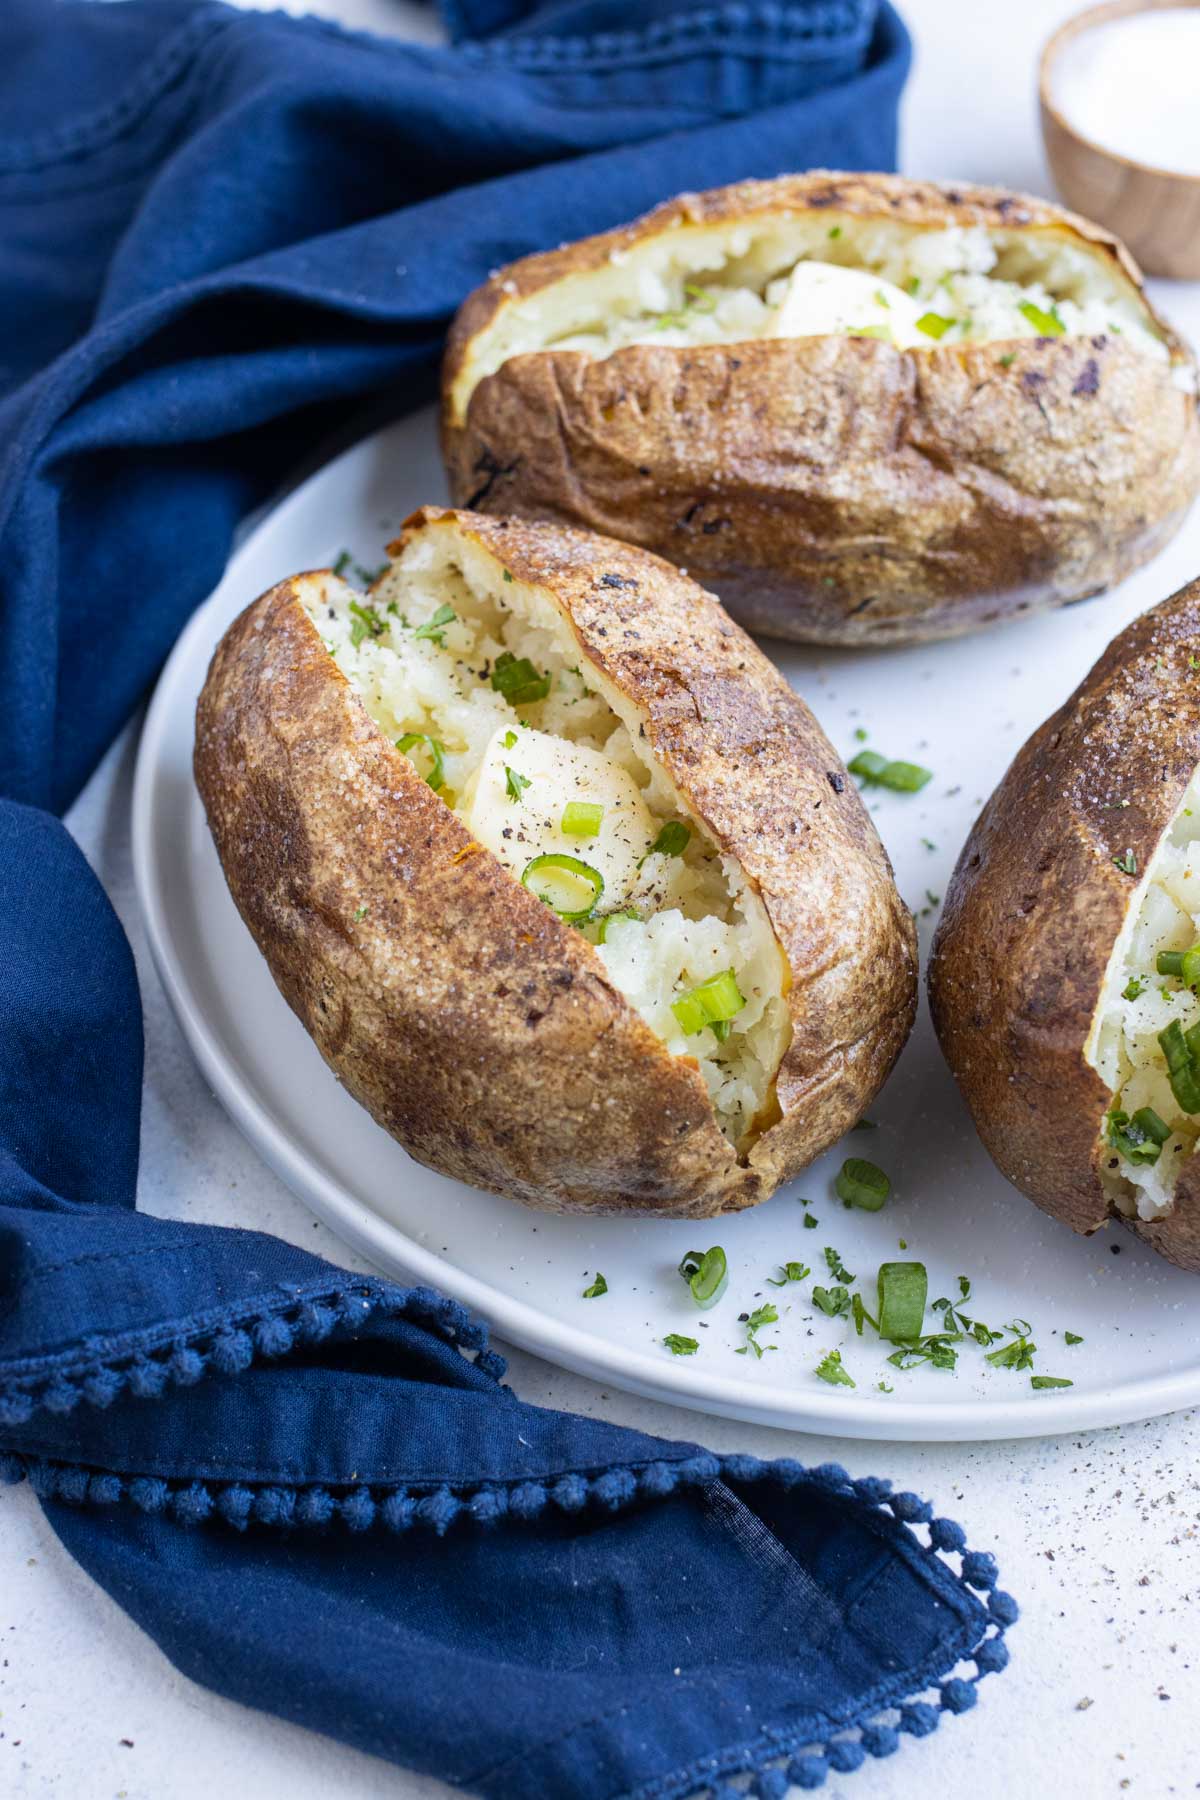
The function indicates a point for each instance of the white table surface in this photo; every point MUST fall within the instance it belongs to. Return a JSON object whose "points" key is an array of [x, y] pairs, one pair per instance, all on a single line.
{"points": [[1098, 1536]]}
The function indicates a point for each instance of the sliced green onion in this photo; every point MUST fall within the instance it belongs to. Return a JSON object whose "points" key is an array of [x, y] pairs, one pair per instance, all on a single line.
{"points": [[712, 1003], [672, 840], [1046, 324], [437, 773], [700, 299], [869, 764], [1169, 962], [1140, 1139], [625, 913], [903, 777], [934, 325], [516, 678], [598, 1287], [706, 1273], [681, 1346], [1190, 967], [903, 1289], [547, 876], [1181, 1066], [1049, 1381], [871, 331], [861, 1183], [582, 818]]}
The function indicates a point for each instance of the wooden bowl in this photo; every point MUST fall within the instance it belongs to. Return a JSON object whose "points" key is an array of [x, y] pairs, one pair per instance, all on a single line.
{"points": [[1156, 212]]}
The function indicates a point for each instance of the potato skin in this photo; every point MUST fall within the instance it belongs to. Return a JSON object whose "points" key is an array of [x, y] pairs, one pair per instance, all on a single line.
{"points": [[1034, 909], [839, 490], [476, 1027]]}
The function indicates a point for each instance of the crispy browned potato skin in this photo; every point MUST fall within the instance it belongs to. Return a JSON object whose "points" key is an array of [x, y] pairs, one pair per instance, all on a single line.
{"points": [[839, 490], [1035, 906], [474, 1025]]}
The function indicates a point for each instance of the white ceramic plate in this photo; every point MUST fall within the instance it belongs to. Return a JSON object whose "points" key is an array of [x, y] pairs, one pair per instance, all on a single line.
{"points": [[962, 708]]}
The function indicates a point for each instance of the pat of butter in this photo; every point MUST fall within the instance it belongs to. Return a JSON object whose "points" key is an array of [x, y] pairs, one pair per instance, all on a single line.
{"points": [[516, 830], [824, 299]]}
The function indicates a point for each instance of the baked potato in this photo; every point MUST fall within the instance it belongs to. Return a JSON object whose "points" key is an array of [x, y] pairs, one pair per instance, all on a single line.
{"points": [[860, 409], [564, 880], [1065, 971]]}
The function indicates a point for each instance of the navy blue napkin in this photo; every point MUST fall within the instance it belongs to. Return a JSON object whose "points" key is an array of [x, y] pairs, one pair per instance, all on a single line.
{"points": [[220, 235]]}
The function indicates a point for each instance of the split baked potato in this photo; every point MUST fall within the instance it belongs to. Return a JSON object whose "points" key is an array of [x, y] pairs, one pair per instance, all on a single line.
{"points": [[564, 880], [861, 409], [1065, 974]]}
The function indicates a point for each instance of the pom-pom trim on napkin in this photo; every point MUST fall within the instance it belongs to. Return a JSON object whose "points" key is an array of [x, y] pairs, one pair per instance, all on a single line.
{"points": [[764, 1770], [221, 1342]]}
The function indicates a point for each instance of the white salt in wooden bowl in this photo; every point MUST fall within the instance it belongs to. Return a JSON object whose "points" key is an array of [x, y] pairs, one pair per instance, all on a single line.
{"points": [[1119, 87]]}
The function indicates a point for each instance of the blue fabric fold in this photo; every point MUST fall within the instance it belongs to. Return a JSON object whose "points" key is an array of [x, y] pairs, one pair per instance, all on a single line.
{"points": [[220, 235]]}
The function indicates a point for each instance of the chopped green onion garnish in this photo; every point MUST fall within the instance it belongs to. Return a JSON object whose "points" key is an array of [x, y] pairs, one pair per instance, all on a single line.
{"points": [[903, 1287], [934, 325], [1133, 987], [557, 879], [437, 773], [1169, 962], [1046, 324], [706, 1273], [835, 231], [1126, 862], [681, 1346], [712, 1003], [1182, 1071], [1140, 1139], [904, 777], [582, 818], [701, 300], [515, 783], [509, 739], [863, 1184], [598, 1287], [810, 1224], [517, 679], [830, 1369], [871, 331], [1072, 1337], [672, 840], [1049, 1381], [432, 628], [626, 913]]}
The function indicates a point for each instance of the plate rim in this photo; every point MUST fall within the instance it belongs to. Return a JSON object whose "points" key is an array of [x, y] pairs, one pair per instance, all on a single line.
{"points": [[517, 1321]]}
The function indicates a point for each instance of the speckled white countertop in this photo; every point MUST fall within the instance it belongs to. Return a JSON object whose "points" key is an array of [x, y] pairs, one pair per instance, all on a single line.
{"points": [[1098, 1536]]}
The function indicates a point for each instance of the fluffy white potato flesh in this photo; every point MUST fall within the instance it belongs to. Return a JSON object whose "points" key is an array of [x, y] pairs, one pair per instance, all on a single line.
{"points": [[809, 274], [549, 775], [1137, 1004], [424, 651]]}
